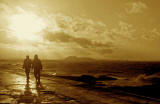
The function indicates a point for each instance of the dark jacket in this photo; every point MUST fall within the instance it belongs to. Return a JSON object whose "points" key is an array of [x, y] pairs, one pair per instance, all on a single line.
{"points": [[27, 64], [37, 64]]}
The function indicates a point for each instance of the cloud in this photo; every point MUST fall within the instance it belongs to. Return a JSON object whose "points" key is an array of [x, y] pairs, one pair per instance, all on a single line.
{"points": [[85, 35], [5, 38], [123, 30], [150, 35], [81, 27], [136, 7], [70, 34], [62, 37]]}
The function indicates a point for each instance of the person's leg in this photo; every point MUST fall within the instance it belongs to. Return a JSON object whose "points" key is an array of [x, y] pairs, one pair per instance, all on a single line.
{"points": [[35, 75], [26, 72], [38, 76]]}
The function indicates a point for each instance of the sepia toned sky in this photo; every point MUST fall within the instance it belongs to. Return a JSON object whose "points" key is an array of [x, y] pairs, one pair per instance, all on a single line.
{"points": [[101, 29]]}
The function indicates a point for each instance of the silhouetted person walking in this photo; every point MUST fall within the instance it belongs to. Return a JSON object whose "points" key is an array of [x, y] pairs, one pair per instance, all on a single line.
{"points": [[37, 66], [27, 66]]}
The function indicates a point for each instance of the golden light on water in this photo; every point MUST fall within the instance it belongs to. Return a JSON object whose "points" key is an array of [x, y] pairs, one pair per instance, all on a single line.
{"points": [[23, 86], [26, 26]]}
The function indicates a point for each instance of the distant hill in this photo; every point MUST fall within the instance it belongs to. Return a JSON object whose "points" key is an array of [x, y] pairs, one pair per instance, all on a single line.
{"points": [[78, 59]]}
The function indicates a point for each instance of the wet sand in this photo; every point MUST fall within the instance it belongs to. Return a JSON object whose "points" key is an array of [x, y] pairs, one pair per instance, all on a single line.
{"points": [[15, 89]]}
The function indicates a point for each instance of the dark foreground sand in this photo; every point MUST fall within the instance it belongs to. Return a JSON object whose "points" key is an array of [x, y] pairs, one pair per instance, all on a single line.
{"points": [[54, 89]]}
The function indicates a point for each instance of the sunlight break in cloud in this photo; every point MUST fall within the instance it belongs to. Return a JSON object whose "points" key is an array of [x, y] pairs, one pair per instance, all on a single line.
{"points": [[26, 25]]}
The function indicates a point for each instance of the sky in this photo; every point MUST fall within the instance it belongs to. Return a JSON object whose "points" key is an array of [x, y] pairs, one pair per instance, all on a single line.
{"points": [[100, 29]]}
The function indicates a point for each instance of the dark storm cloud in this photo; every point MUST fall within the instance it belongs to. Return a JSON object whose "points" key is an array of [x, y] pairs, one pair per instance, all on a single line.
{"points": [[63, 37]]}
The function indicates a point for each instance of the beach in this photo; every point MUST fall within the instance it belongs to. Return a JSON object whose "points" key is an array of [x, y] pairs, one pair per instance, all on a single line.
{"points": [[64, 86]]}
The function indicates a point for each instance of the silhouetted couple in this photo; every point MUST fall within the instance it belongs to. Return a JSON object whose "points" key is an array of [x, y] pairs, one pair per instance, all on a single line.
{"points": [[35, 64]]}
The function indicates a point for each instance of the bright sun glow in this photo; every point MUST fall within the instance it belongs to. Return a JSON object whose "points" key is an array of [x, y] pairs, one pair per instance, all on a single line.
{"points": [[26, 26]]}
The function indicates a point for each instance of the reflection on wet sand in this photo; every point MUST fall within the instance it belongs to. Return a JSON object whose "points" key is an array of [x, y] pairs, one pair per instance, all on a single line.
{"points": [[28, 96]]}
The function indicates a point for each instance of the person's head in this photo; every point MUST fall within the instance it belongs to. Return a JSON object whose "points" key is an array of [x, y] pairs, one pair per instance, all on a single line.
{"points": [[27, 57], [35, 56]]}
